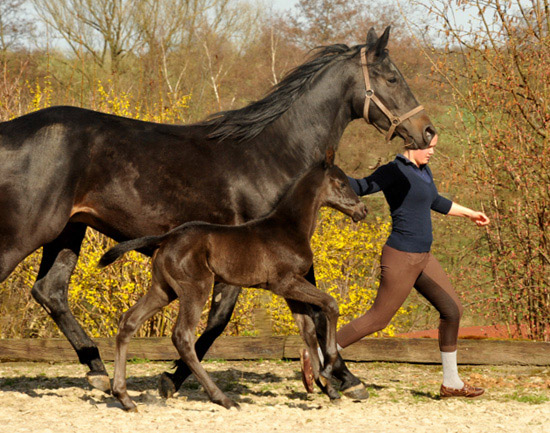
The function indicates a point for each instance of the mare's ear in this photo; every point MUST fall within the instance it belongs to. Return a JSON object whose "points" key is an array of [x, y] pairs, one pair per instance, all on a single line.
{"points": [[329, 158], [372, 37], [376, 48]]}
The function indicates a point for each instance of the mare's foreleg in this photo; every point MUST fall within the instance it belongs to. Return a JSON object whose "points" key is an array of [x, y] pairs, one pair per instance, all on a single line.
{"points": [[350, 386], [50, 290], [299, 289], [224, 298], [158, 296], [301, 313]]}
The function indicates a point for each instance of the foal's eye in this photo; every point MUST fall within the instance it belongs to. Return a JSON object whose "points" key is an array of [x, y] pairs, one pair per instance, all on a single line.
{"points": [[343, 185]]}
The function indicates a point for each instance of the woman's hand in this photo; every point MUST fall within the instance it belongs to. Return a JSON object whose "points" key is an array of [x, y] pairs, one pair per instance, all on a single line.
{"points": [[479, 218]]}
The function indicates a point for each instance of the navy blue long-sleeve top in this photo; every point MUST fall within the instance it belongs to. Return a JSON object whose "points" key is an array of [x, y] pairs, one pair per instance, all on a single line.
{"points": [[411, 193]]}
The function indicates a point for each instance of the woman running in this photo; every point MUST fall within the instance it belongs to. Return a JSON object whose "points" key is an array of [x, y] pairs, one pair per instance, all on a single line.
{"points": [[406, 261]]}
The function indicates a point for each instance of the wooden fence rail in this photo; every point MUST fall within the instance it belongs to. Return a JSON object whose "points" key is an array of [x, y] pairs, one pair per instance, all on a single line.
{"points": [[414, 350]]}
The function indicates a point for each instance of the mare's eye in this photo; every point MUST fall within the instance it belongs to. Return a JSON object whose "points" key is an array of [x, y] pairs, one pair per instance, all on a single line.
{"points": [[392, 80]]}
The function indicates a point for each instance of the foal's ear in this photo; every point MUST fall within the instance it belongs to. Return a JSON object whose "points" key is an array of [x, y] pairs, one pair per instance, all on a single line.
{"points": [[329, 158]]}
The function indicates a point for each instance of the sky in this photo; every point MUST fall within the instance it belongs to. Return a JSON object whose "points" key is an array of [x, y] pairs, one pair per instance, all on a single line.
{"points": [[462, 18], [283, 4]]}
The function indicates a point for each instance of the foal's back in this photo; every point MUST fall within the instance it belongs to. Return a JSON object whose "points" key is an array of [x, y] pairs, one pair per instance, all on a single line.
{"points": [[258, 252], [251, 254]]}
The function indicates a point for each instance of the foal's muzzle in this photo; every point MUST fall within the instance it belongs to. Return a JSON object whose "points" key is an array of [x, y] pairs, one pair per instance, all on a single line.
{"points": [[360, 213]]}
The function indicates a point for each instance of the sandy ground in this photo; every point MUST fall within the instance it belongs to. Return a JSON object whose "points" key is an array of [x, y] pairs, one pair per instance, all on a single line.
{"points": [[44, 398]]}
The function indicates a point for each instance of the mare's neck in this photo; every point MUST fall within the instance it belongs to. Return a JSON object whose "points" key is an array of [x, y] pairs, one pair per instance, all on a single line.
{"points": [[315, 121]]}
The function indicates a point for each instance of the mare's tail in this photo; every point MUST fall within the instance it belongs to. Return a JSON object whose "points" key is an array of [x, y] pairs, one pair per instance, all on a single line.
{"points": [[148, 242]]}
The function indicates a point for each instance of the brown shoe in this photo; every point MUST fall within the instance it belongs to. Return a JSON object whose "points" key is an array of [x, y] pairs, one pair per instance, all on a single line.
{"points": [[467, 390], [307, 370]]}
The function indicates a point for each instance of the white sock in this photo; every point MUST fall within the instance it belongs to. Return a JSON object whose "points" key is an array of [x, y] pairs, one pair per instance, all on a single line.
{"points": [[321, 357], [450, 371]]}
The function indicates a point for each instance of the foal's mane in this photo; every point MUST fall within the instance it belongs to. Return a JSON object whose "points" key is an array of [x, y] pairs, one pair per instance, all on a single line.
{"points": [[247, 122]]}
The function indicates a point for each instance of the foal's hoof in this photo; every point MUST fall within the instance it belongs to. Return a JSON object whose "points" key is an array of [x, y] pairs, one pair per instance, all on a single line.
{"points": [[167, 389], [356, 392], [99, 381], [229, 404], [133, 409], [234, 406]]}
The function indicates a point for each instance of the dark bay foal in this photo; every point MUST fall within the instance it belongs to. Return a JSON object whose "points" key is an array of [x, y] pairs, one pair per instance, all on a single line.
{"points": [[271, 253]]}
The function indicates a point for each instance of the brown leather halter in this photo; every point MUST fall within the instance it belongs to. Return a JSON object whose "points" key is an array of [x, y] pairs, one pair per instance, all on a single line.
{"points": [[371, 96]]}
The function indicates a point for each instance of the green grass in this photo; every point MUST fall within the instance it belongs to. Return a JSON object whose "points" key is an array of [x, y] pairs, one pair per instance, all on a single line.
{"points": [[214, 361], [136, 360], [528, 398]]}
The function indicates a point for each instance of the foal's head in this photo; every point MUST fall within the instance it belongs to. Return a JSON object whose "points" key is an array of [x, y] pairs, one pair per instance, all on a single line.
{"points": [[337, 193]]}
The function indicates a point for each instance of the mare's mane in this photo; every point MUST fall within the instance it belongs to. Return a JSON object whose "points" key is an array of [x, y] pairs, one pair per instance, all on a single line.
{"points": [[247, 122]]}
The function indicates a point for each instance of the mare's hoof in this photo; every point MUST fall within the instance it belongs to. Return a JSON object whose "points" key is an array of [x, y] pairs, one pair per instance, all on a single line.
{"points": [[327, 388], [333, 394], [99, 381], [167, 389], [356, 392]]}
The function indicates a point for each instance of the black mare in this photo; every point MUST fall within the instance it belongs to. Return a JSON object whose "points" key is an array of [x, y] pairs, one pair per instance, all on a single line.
{"points": [[65, 168]]}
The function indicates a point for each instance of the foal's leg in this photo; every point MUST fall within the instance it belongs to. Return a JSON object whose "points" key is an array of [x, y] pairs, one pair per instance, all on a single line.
{"points": [[192, 298], [50, 290], [224, 299], [351, 386], [158, 296]]}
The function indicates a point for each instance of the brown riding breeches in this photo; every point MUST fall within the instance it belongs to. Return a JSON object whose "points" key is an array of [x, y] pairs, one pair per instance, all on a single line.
{"points": [[400, 272]]}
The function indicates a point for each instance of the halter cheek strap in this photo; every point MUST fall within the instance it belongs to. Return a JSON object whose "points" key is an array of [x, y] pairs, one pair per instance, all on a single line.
{"points": [[371, 96]]}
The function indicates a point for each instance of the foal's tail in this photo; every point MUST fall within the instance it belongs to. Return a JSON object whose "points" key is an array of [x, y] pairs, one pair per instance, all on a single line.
{"points": [[148, 242]]}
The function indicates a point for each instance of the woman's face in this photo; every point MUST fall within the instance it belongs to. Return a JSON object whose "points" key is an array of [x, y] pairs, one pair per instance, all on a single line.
{"points": [[422, 156]]}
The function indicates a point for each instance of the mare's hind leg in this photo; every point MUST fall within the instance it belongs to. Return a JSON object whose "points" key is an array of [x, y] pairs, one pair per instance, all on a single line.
{"points": [[350, 386], [50, 290], [306, 326], [299, 289], [192, 297], [158, 296], [224, 299]]}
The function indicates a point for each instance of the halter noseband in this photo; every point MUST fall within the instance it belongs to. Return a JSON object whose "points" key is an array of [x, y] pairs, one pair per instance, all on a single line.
{"points": [[371, 96]]}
